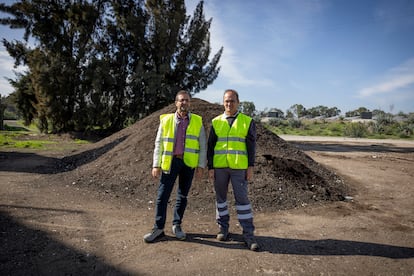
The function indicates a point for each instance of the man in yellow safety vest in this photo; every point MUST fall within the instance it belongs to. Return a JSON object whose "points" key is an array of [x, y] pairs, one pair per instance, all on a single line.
{"points": [[180, 151], [230, 157]]}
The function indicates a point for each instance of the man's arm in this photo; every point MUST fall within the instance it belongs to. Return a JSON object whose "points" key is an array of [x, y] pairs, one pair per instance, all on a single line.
{"points": [[156, 160], [251, 143], [212, 140], [203, 148]]}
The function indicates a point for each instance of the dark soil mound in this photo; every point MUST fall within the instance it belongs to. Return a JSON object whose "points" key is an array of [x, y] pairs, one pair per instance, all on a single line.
{"points": [[120, 165]]}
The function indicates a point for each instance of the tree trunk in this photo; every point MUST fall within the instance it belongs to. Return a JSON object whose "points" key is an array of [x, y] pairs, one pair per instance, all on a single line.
{"points": [[2, 109]]}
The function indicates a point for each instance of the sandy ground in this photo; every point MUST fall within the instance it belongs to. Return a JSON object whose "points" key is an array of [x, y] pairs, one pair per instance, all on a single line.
{"points": [[49, 228]]}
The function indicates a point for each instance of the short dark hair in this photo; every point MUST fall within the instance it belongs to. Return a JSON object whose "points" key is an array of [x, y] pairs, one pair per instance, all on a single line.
{"points": [[232, 91], [182, 92]]}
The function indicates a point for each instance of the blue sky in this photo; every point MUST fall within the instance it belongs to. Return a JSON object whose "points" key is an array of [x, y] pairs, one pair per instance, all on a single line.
{"points": [[346, 54], [277, 53]]}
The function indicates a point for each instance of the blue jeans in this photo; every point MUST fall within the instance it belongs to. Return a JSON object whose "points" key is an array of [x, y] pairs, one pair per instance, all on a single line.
{"points": [[185, 177]]}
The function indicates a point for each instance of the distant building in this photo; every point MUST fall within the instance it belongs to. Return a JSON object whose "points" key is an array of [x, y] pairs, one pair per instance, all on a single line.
{"points": [[272, 114], [366, 115]]}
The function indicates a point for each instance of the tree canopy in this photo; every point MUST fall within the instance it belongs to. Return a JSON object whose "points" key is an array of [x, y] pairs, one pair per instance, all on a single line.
{"points": [[103, 64], [247, 108]]}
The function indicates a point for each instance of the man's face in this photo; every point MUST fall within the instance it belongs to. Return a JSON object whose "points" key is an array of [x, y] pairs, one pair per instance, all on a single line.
{"points": [[182, 103], [231, 103]]}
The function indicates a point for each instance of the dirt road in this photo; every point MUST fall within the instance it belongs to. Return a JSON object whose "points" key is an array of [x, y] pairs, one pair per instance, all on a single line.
{"points": [[49, 228]]}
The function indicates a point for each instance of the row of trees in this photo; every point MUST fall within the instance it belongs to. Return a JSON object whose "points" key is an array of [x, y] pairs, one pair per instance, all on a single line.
{"points": [[299, 111], [295, 111], [106, 63]]}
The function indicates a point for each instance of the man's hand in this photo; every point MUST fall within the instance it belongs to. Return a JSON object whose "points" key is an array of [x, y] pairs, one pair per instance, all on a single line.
{"points": [[199, 173], [211, 174], [249, 173], [156, 172]]}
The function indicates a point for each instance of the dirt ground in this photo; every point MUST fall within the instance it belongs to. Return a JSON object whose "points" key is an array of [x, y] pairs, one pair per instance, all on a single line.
{"points": [[54, 223]]}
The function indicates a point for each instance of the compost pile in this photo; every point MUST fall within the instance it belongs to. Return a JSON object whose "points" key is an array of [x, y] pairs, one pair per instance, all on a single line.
{"points": [[120, 165]]}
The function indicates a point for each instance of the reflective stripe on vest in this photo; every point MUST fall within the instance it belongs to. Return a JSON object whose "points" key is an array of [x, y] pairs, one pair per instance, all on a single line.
{"points": [[191, 143], [231, 150]]}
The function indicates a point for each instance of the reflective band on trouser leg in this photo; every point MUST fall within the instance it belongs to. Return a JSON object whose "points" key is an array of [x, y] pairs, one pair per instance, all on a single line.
{"points": [[244, 212], [245, 216], [221, 209]]}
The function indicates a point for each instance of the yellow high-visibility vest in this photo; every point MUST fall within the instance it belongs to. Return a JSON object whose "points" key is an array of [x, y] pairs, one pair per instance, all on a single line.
{"points": [[231, 150], [191, 144]]}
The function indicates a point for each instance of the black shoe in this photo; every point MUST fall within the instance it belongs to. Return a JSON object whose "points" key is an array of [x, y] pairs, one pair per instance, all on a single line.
{"points": [[252, 244], [223, 234]]}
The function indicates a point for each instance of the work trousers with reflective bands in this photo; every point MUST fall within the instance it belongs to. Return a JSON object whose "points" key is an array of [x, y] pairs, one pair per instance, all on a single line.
{"points": [[185, 177], [240, 190]]}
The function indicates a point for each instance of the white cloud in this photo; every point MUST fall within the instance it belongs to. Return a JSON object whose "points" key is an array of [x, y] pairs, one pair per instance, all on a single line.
{"points": [[235, 66], [399, 77], [6, 62], [5, 88], [211, 95], [256, 40], [6, 71]]}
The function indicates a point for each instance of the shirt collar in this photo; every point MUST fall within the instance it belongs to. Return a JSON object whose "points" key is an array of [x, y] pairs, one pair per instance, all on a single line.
{"points": [[230, 116], [177, 116]]}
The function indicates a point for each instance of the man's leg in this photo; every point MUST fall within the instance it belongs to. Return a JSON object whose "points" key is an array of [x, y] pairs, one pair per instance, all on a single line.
{"points": [[185, 180], [243, 207], [221, 183], [164, 191]]}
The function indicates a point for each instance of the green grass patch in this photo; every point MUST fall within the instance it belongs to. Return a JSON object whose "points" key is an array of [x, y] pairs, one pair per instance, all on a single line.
{"points": [[21, 140], [32, 144], [81, 142], [28, 140]]}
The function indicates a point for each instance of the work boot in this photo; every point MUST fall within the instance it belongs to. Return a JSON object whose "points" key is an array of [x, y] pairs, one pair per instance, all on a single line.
{"points": [[178, 232], [251, 243], [223, 234], [156, 233]]}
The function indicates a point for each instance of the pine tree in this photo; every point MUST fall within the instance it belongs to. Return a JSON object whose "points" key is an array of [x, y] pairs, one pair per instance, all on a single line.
{"points": [[105, 63]]}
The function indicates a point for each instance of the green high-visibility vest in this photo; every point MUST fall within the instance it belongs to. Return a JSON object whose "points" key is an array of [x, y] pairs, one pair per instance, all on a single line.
{"points": [[191, 144], [231, 150]]}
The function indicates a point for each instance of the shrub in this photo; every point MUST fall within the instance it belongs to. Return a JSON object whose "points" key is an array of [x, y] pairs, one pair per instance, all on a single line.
{"points": [[406, 130], [375, 128], [385, 119], [276, 122], [295, 123], [357, 130]]}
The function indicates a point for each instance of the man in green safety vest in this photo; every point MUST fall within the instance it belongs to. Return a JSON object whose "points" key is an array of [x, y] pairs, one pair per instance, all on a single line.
{"points": [[230, 157], [180, 151]]}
